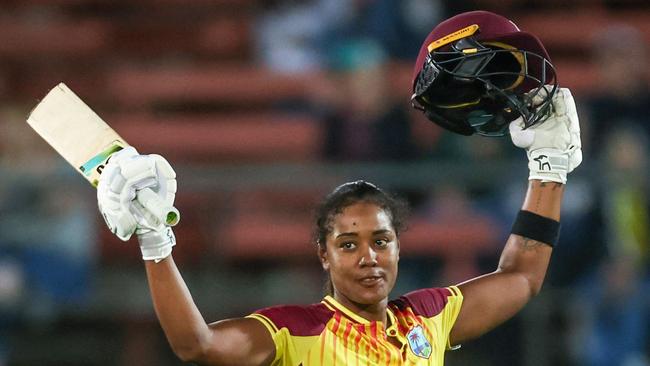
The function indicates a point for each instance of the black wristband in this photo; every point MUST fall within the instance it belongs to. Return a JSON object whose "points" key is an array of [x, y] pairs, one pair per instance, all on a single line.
{"points": [[536, 227]]}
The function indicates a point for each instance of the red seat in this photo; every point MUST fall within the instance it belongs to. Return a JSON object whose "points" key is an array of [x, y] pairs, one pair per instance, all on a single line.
{"points": [[253, 236], [580, 76], [269, 224], [450, 237], [20, 38], [573, 30], [459, 245], [225, 36], [223, 85], [227, 138]]}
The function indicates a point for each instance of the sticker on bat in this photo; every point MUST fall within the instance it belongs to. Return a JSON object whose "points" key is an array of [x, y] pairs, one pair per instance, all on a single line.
{"points": [[93, 168]]}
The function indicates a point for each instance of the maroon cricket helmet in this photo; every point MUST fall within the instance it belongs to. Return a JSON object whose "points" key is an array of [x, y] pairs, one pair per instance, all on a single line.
{"points": [[477, 71]]}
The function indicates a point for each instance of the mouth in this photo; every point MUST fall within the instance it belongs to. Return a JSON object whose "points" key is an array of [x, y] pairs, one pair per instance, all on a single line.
{"points": [[372, 280]]}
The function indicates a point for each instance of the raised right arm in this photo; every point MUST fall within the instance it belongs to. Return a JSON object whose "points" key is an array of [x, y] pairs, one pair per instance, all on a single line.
{"points": [[229, 342], [241, 341]]}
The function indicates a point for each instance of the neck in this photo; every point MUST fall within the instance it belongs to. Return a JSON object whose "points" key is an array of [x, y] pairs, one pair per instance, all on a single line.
{"points": [[371, 312]]}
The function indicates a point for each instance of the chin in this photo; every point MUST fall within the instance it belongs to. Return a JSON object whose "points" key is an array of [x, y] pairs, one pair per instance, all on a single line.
{"points": [[367, 296]]}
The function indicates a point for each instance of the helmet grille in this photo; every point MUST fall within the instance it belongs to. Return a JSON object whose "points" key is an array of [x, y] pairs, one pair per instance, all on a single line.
{"points": [[482, 87]]}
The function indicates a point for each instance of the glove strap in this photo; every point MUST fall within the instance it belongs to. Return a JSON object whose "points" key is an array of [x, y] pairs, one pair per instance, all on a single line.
{"points": [[548, 165], [156, 245]]}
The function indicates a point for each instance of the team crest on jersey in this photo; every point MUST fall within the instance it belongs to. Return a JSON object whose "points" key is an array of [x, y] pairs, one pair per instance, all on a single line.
{"points": [[418, 342]]}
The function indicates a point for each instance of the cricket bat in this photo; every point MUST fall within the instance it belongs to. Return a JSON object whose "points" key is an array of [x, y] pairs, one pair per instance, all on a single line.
{"points": [[80, 136]]}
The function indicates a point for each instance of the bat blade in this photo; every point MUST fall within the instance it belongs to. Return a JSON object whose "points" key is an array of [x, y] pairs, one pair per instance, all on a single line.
{"points": [[75, 131], [82, 138]]}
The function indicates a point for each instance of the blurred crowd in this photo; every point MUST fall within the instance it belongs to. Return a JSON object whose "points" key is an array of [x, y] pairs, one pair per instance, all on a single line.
{"points": [[596, 306]]}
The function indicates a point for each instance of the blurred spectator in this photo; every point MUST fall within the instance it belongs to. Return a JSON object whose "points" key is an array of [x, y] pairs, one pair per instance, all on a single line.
{"points": [[47, 241], [623, 96], [289, 33], [615, 309], [398, 26], [621, 100], [613, 312], [368, 124], [297, 35]]}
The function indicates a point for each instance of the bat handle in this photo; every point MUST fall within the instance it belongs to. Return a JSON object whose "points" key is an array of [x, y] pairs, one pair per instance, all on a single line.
{"points": [[160, 212]]}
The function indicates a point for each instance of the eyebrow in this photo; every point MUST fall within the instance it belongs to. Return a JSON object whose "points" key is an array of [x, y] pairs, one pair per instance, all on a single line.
{"points": [[383, 231], [376, 232], [341, 235]]}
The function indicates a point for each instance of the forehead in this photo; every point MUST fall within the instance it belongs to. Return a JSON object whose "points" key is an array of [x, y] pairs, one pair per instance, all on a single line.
{"points": [[359, 217]]}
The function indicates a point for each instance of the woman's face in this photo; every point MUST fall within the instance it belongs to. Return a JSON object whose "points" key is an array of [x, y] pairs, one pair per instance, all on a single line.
{"points": [[361, 255]]}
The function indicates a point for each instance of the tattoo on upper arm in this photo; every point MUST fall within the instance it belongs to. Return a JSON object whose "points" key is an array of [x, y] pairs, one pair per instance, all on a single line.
{"points": [[530, 244]]}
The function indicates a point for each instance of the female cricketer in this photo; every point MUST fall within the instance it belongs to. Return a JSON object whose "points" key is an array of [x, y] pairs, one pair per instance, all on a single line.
{"points": [[357, 235]]}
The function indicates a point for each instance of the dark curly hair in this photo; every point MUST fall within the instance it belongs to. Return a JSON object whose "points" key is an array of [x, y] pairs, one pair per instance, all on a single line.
{"points": [[350, 193]]}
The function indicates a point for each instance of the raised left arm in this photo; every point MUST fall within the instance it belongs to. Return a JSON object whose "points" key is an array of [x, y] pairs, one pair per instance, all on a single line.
{"points": [[491, 299], [554, 150]]}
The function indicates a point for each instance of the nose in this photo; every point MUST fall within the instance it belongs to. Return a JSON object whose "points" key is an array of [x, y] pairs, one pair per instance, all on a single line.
{"points": [[368, 258]]}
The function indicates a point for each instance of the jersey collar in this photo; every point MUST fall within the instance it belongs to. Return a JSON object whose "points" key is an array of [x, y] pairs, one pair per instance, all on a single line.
{"points": [[334, 305]]}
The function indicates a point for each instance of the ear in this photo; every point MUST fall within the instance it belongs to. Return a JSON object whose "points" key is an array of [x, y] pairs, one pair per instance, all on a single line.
{"points": [[323, 256]]}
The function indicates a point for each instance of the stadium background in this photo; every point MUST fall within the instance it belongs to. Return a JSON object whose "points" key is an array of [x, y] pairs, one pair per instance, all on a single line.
{"points": [[264, 106]]}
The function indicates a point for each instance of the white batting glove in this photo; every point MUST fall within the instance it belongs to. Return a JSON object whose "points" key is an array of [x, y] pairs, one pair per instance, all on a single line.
{"points": [[553, 147], [126, 173]]}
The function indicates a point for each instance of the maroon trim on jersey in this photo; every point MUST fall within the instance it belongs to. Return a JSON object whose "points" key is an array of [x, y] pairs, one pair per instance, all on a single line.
{"points": [[308, 320], [427, 302], [343, 311]]}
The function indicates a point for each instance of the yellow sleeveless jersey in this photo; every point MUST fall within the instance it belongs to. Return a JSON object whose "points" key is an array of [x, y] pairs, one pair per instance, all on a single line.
{"points": [[329, 334]]}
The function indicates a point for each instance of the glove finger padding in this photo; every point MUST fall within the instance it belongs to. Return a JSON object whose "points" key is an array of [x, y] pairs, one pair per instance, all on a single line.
{"points": [[166, 179], [523, 137], [146, 171], [520, 137], [539, 96], [161, 179], [118, 219], [553, 146], [126, 174]]}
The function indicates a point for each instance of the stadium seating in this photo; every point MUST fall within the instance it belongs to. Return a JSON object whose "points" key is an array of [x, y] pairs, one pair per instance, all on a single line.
{"points": [[181, 78]]}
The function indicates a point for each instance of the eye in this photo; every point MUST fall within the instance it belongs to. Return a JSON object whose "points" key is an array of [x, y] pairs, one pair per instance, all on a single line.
{"points": [[347, 245], [381, 243]]}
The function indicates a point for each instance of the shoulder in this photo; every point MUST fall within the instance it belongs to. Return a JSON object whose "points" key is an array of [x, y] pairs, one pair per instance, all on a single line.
{"points": [[427, 302], [299, 320]]}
